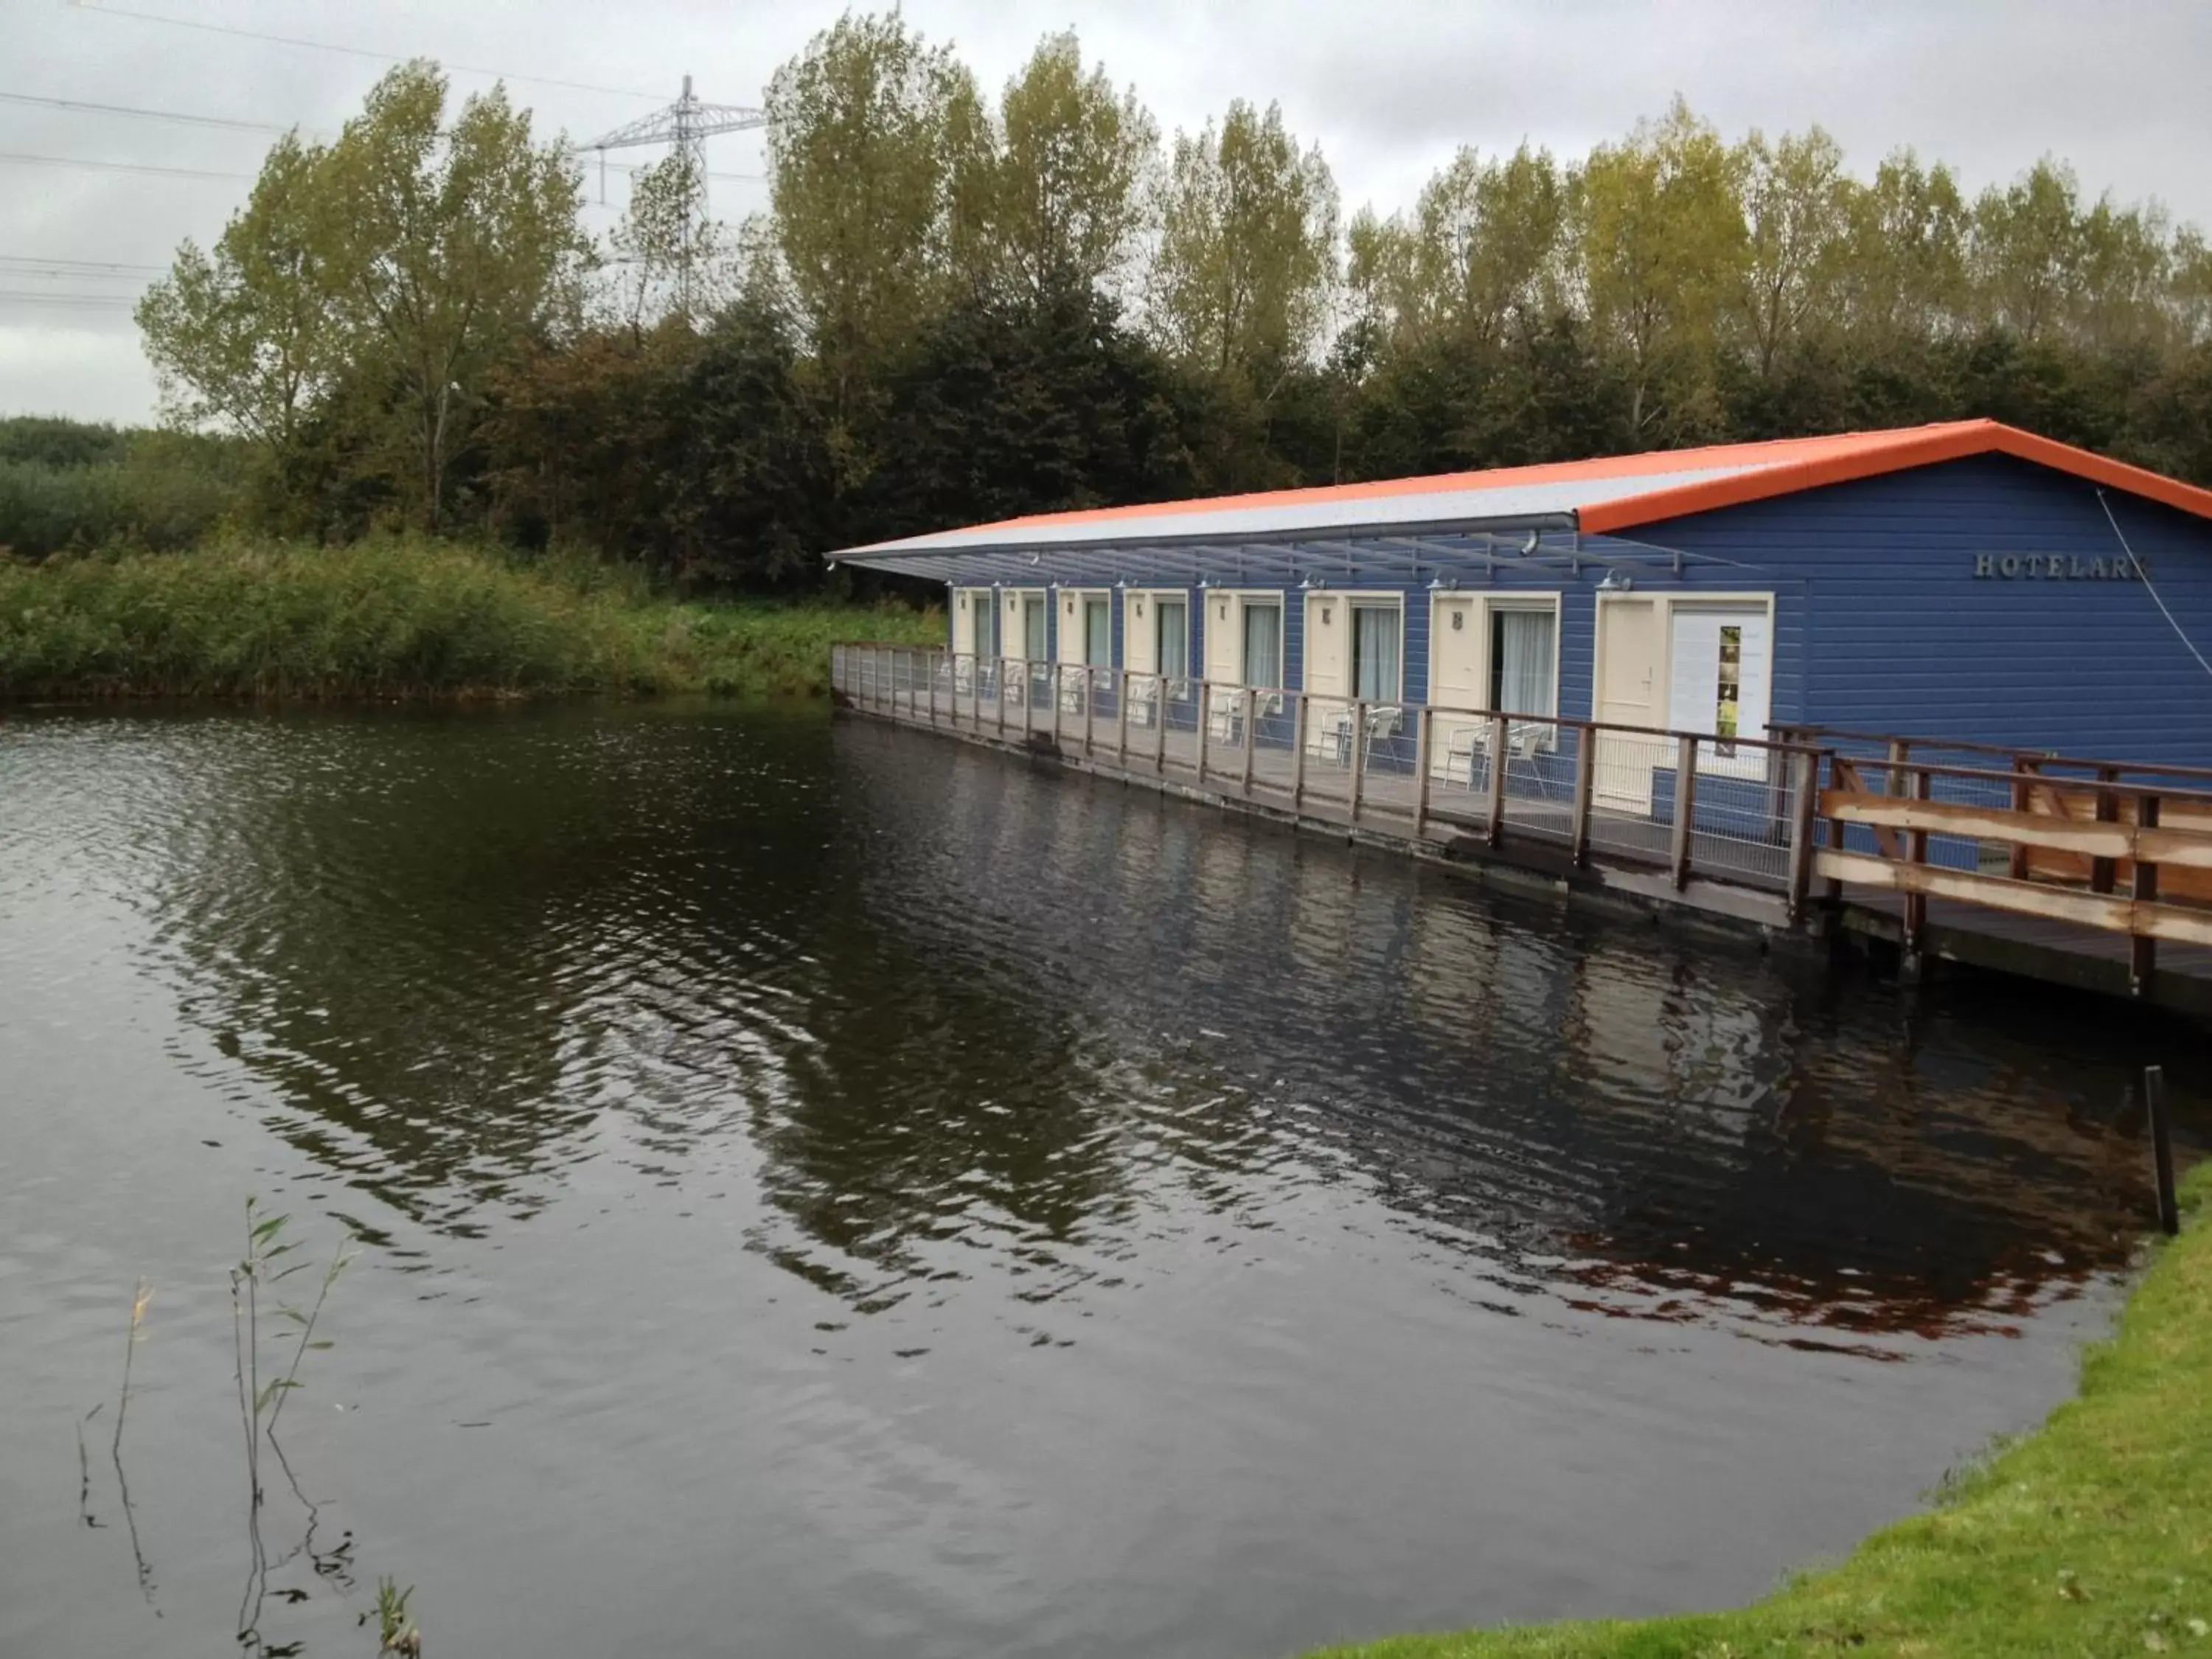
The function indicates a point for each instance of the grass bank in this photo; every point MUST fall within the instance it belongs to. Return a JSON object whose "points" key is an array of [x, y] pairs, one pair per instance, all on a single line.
{"points": [[2091, 1536], [398, 619]]}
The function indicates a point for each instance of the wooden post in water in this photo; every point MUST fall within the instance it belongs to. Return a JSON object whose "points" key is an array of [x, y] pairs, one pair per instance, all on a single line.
{"points": [[1205, 726], [933, 658], [2108, 812], [1298, 754], [1685, 806], [2143, 948], [2161, 1149], [1423, 736], [1090, 708], [1493, 809], [1578, 827], [1160, 726], [998, 702], [2022, 801], [1121, 718]]}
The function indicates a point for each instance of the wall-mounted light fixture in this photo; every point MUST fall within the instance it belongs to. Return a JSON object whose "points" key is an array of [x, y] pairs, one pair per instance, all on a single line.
{"points": [[1614, 582]]}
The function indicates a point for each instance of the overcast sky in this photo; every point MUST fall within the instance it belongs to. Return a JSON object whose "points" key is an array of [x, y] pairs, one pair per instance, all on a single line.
{"points": [[1389, 88]]}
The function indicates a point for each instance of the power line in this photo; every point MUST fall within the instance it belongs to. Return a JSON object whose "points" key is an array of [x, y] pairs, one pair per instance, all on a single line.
{"points": [[351, 51], [119, 167], [68, 301], [206, 172], [178, 117], [89, 267]]}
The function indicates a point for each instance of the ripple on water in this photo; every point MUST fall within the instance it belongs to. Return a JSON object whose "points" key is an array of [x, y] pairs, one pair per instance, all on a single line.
{"points": [[861, 1193]]}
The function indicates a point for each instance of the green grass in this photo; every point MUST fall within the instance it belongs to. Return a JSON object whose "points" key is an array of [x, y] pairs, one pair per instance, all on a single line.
{"points": [[2091, 1536], [399, 618]]}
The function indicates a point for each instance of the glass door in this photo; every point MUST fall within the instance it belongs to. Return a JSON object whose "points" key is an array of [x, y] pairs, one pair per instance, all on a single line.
{"points": [[1719, 685]]}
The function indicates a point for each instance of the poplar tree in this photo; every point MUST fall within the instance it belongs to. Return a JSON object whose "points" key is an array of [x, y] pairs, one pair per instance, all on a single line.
{"points": [[1247, 264]]}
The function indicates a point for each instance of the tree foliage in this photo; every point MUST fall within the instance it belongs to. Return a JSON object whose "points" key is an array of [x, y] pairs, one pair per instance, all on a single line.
{"points": [[962, 306]]}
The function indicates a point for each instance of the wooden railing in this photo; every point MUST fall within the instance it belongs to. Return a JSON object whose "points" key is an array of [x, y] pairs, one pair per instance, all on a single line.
{"points": [[2120, 857]]}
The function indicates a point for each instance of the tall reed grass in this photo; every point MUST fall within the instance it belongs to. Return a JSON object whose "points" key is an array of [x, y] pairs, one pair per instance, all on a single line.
{"points": [[398, 619]]}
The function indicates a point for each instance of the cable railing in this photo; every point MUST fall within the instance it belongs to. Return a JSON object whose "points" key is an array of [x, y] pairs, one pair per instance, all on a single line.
{"points": [[2081, 847], [1692, 805]]}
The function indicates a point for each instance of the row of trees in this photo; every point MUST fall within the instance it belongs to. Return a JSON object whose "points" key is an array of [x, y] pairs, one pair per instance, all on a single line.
{"points": [[960, 307]]}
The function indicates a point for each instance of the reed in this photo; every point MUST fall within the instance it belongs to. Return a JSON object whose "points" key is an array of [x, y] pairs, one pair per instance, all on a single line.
{"points": [[397, 619]]}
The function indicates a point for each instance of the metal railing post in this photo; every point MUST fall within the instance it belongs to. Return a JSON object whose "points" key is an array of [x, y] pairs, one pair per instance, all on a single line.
{"points": [[1805, 779], [1358, 754], [1493, 812], [2143, 948], [1916, 853], [1686, 798], [1251, 734], [1424, 735], [933, 658], [1298, 723], [1578, 825]]}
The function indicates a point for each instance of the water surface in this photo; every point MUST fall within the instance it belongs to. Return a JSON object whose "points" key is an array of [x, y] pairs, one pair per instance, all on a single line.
{"points": [[825, 1191]]}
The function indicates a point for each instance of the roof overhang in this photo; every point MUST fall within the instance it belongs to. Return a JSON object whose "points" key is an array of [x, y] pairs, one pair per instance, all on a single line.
{"points": [[1604, 497]]}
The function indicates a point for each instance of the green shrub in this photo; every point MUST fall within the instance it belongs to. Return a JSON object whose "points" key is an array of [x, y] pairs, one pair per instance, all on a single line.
{"points": [[395, 617]]}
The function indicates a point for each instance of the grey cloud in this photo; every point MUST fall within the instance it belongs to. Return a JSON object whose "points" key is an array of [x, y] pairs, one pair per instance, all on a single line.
{"points": [[1388, 89]]}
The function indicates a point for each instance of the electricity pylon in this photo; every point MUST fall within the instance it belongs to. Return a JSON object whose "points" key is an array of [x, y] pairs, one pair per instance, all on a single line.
{"points": [[684, 126]]}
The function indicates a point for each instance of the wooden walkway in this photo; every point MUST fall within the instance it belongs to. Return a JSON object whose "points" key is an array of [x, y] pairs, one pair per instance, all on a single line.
{"points": [[1541, 819]]}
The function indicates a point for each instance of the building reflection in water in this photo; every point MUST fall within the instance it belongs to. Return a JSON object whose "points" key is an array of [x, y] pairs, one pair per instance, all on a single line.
{"points": [[952, 1019]]}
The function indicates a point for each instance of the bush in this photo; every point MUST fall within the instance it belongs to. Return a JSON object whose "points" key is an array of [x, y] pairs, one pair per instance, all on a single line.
{"points": [[397, 617]]}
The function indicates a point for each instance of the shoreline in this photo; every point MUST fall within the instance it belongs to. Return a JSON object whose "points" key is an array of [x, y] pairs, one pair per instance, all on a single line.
{"points": [[2090, 1532]]}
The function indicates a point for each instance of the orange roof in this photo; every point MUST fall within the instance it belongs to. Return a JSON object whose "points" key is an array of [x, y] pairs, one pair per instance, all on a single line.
{"points": [[1601, 494], [1808, 463]]}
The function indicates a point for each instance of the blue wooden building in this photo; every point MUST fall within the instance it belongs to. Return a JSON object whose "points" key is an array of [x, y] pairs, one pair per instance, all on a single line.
{"points": [[1968, 580]]}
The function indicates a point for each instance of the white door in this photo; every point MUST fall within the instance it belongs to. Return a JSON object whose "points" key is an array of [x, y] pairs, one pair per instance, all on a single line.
{"points": [[1455, 684], [1721, 678], [1629, 642], [1224, 639]]}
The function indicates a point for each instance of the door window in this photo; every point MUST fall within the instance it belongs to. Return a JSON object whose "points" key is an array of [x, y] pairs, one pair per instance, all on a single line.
{"points": [[1520, 661], [1033, 622], [1375, 653], [1263, 645], [1173, 638]]}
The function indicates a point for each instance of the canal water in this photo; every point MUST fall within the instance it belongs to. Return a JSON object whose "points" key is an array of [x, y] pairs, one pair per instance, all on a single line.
{"points": [[817, 1190]]}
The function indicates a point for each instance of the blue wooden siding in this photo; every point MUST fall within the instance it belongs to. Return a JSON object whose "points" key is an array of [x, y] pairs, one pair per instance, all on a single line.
{"points": [[1891, 631], [1880, 621]]}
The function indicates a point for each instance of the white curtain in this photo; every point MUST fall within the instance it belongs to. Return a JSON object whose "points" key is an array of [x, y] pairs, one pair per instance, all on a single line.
{"points": [[1375, 653], [1263, 633], [1174, 638], [1524, 662]]}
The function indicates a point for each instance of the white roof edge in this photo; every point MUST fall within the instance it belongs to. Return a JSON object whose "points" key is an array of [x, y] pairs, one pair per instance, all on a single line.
{"points": [[1411, 510]]}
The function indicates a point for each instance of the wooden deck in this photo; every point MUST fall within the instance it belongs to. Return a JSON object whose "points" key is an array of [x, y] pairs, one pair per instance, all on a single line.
{"points": [[1523, 825]]}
